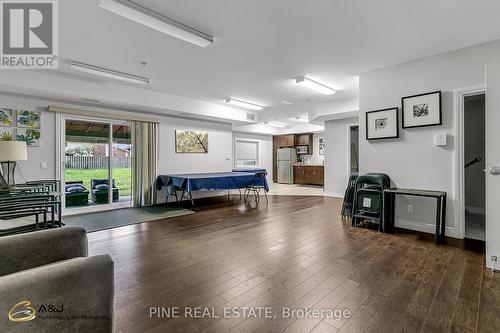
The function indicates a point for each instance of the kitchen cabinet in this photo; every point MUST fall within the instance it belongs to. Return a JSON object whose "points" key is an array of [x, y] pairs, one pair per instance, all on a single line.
{"points": [[298, 175], [285, 141], [309, 174], [305, 139]]}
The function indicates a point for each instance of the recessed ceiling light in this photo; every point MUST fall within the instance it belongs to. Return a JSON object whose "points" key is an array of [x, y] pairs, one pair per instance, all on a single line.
{"points": [[154, 20], [285, 102], [275, 124], [304, 119], [108, 73], [316, 86], [243, 104]]}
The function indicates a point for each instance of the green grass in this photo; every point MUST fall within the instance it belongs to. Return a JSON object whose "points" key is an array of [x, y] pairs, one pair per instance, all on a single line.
{"points": [[122, 176]]}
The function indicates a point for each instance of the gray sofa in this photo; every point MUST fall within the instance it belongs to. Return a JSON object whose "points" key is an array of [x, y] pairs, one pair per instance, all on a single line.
{"points": [[55, 286]]}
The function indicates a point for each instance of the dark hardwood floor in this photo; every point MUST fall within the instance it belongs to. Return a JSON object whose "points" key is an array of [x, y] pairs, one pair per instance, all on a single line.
{"points": [[296, 252]]}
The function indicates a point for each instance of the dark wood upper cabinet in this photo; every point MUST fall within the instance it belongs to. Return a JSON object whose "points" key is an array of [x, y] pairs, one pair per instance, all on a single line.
{"points": [[304, 139], [285, 141]]}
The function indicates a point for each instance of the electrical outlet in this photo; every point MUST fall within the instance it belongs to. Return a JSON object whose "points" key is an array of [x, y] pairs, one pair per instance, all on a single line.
{"points": [[410, 208], [43, 165], [494, 258]]}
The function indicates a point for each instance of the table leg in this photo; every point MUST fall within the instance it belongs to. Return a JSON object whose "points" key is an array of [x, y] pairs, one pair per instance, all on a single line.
{"points": [[392, 212], [191, 198], [438, 220], [383, 213], [443, 220]]}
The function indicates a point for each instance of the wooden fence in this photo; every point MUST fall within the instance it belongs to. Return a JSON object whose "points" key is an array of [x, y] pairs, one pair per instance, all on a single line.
{"points": [[96, 162]]}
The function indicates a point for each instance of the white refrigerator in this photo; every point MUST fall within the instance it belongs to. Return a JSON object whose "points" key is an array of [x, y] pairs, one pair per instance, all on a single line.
{"points": [[286, 158]]}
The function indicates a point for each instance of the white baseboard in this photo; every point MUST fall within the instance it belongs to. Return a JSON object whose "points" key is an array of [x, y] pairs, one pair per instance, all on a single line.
{"points": [[335, 194], [425, 227]]}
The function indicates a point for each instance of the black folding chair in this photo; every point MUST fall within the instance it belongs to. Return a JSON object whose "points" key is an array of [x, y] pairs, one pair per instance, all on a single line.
{"points": [[255, 186], [349, 196]]}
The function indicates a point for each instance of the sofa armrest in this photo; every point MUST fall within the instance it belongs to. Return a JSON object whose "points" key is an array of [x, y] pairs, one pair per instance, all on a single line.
{"points": [[74, 295], [24, 251]]}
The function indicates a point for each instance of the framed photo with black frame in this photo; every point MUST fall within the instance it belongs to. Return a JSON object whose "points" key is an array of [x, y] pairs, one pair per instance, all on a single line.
{"points": [[422, 110], [382, 124]]}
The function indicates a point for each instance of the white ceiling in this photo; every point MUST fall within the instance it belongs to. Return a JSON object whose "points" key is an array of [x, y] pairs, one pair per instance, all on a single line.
{"points": [[262, 45]]}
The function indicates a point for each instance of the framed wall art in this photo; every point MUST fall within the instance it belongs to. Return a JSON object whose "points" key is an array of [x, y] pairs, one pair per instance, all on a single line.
{"points": [[322, 146], [422, 110], [190, 141], [382, 124]]}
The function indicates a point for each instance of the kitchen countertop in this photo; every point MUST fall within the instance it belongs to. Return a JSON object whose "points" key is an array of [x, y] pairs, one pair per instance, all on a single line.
{"points": [[308, 165]]}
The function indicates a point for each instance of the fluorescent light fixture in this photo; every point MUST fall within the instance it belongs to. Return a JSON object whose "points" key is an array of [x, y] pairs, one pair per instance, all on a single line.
{"points": [[275, 124], [154, 20], [311, 84], [242, 104], [108, 73]]}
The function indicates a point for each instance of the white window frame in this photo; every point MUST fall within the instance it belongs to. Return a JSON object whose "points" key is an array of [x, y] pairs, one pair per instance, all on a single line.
{"points": [[257, 142]]}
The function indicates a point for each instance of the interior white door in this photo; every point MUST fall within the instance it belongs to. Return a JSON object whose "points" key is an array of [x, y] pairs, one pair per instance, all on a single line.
{"points": [[492, 163]]}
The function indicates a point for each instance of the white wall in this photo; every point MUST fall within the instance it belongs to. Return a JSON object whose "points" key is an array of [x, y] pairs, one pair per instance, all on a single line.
{"points": [[337, 156], [413, 161], [30, 169], [218, 158], [265, 150]]}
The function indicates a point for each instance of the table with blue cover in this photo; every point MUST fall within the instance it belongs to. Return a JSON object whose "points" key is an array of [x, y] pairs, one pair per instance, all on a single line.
{"points": [[207, 182], [251, 170]]}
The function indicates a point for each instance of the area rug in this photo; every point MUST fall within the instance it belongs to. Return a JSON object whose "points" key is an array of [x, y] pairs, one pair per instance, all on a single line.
{"points": [[121, 217]]}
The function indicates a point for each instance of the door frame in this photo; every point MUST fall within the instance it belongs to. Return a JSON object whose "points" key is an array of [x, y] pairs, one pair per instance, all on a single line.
{"points": [[349, 166], [459, 155], [61, 161]]}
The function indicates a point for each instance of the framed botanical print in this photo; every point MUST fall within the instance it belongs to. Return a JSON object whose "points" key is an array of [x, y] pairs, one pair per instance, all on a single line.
{"points": [[382, 124], [191, 141], [422, 110], [322, 146]]}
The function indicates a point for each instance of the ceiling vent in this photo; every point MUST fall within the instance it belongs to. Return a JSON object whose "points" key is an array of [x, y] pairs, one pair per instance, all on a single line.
{"points": [[250, 116]]}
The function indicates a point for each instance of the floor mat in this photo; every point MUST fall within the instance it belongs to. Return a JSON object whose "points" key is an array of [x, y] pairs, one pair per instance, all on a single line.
{"points": [[122, 217]]}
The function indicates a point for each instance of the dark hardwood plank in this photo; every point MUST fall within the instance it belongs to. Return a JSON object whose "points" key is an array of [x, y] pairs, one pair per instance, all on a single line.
{"points": [[295, 252]]}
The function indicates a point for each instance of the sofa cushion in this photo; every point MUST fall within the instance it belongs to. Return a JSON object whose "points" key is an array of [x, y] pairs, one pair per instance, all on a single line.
{"points": [[75, 188], [101, 187]]}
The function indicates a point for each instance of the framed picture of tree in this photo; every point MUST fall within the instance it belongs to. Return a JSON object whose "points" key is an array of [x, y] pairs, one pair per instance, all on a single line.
{"points": [[191, 141]]}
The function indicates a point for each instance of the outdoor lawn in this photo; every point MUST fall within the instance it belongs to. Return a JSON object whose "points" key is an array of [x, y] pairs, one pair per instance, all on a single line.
{"points": [[122, 176]]}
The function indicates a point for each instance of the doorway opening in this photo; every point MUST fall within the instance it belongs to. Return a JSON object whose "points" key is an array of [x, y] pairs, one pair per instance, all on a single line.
{"points": [[97, 169], [353, 148], [474, 165]]}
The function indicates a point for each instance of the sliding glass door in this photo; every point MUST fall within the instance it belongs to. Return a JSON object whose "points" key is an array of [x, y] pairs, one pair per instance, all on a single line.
{"points": [[98, 164]]}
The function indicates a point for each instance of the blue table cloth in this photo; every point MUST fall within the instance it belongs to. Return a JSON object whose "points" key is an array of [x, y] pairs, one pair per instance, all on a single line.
{"points": [[209, 181]]}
